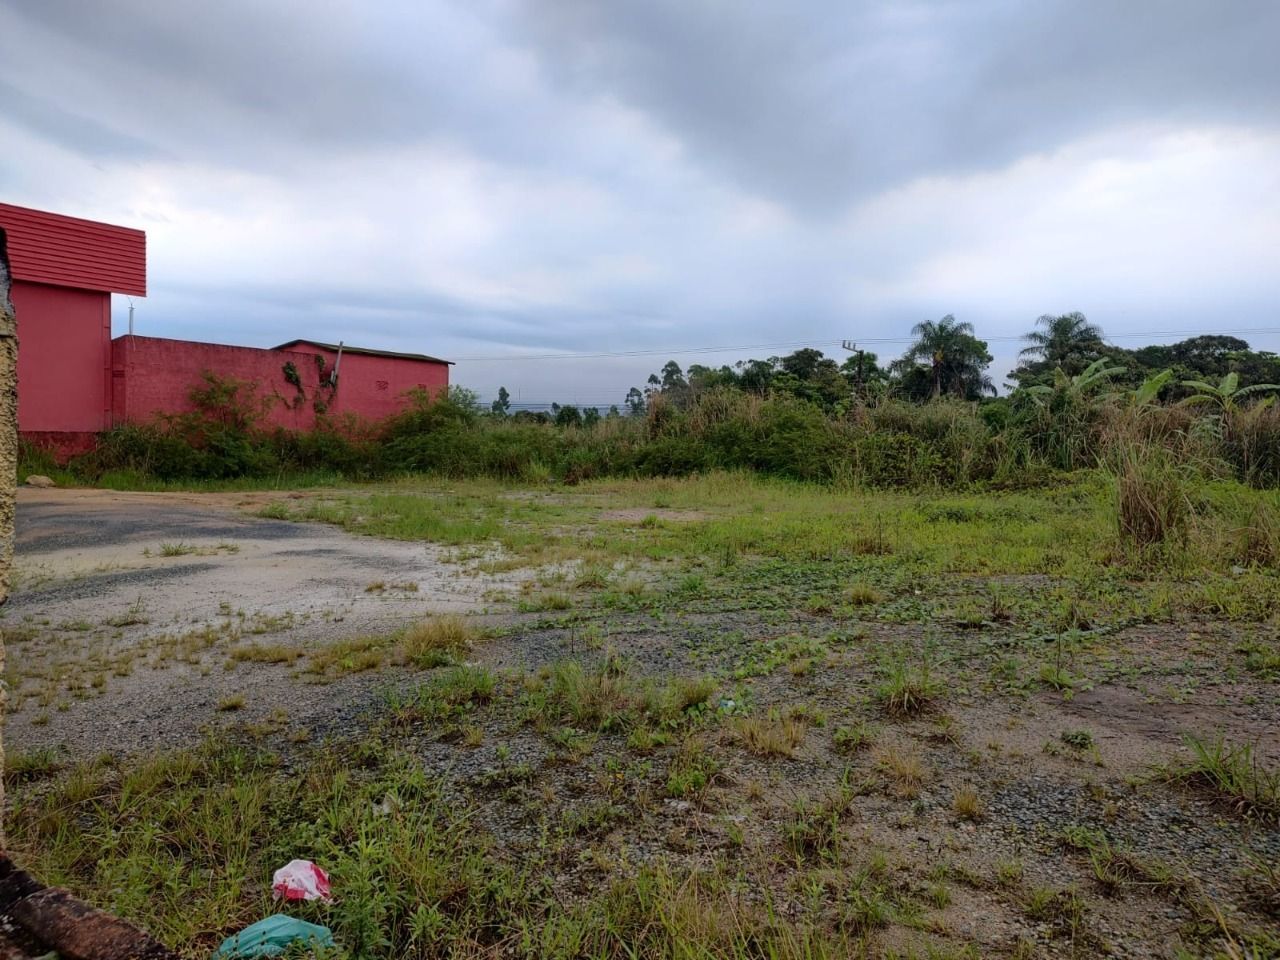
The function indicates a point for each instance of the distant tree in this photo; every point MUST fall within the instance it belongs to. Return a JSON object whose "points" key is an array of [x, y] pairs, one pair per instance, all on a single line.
{"points": [[672, 376], [803, 364], [1207, 359], [954, 360], [702, 378], [464, 399], [613, 413], [635, 402], [809, 375], [567, 416], [864, 367], [1068, 341], [590, 416], [502, 405], [1210, 356], [756, 375], [530, 416]]}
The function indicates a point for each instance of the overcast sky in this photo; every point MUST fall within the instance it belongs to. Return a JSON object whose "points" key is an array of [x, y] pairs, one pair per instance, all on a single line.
{"points": [[496, 179]]}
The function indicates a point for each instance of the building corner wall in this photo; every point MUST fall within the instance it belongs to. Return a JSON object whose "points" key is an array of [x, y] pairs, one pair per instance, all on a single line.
{"points": [[8, 461]]}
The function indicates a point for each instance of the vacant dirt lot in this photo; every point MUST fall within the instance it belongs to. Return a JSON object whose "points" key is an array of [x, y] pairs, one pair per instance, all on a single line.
{"points": [[126, 605], [894, 724]]}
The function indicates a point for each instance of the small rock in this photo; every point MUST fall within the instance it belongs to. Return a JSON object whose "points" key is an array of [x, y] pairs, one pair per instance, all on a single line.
{"points": [[40, 480]]}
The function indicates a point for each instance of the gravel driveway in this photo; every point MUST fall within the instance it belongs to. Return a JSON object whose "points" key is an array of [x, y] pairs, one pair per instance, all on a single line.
{"points": [[125, 606]]}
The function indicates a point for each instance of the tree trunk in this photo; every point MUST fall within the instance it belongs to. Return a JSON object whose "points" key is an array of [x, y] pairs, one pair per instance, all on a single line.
{"points": [[8, 464]]}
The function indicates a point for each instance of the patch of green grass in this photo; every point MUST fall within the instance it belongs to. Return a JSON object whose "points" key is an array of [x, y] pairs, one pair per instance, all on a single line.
{"points": [[457, 686], [1235, 773], [1262, 658], [609, 697], [265, 653], [907, 689], [545, 602], [1064, 909], [863, 595], [850, 739], [813, 831], [22, 766], [437, 641], [691, 771], [353, 655], [1077, 739]]}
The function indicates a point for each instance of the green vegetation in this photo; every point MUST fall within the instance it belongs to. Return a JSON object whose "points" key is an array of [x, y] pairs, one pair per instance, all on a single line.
{"points": [[924, 421], [1235, 773]]}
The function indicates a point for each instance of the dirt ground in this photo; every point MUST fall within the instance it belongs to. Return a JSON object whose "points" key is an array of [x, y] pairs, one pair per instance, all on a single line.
{"points": [[95, 595], [128, 607]]}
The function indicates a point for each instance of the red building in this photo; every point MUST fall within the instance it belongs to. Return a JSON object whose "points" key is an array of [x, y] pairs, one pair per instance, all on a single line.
{"points": [[74, 381], [64, 272]]}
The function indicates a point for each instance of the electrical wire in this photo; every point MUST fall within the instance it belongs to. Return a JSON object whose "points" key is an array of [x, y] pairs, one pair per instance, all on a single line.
{"points": [[691, 351]]}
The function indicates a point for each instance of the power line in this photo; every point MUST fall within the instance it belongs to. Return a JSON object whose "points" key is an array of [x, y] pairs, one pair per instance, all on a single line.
{"points": [[689, 351]]}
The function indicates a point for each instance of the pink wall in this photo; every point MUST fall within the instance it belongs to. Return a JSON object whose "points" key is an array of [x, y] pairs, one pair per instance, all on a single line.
{"points": [[374, 386], [64, 358], [154, 376]]}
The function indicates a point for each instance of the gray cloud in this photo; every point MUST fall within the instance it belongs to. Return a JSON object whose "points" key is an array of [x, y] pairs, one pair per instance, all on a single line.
{"points": [[482, 177], [817, 107]]}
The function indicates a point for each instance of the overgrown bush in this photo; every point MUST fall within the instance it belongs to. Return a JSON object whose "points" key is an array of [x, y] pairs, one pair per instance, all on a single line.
{"points": [[1148, 447]]}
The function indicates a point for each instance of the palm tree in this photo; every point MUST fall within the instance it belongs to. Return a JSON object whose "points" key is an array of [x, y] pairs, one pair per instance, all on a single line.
{"points": [[957, 359], [1063, 339]]}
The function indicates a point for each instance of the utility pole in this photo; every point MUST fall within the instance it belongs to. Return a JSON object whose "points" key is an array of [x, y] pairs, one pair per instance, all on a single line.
{"points": [[852, 347]]}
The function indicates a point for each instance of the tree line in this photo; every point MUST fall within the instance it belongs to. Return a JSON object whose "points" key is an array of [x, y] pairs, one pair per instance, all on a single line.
{"points": [[947, 359]]}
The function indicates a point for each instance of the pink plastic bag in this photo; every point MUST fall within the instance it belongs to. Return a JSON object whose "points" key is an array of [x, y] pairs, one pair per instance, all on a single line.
{"points": [[301, 880]]}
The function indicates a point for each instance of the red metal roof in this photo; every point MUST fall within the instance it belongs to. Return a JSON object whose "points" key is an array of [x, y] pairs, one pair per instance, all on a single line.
{"points": [[70, 252]]}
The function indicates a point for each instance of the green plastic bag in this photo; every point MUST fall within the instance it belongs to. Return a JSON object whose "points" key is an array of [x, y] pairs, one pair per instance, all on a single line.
{"points": [[270, 937]]}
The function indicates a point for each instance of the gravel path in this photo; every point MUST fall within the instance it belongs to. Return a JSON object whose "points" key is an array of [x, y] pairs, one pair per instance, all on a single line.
{"points": [[98, 601]]}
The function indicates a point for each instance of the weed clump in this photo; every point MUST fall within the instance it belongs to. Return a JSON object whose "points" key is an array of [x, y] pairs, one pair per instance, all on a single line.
{"points": [[265, 653], [435, 642], [907, 690], [853, 738], [863, 595], [37, 764], [905, 767], [967, 805], [1235, 773], [773, 736]]}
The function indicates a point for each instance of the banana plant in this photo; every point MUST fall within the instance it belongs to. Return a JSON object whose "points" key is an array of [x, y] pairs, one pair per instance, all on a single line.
{"points": [[1227, 395], [1150, 388], [1092, 376]]}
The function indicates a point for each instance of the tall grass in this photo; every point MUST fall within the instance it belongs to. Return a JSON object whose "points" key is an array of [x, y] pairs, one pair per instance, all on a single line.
{"points": [[1152, 503]]}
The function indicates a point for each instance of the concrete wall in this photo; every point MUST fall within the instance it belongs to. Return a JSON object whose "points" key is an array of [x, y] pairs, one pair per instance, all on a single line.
{"points": [[64, 371]]}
